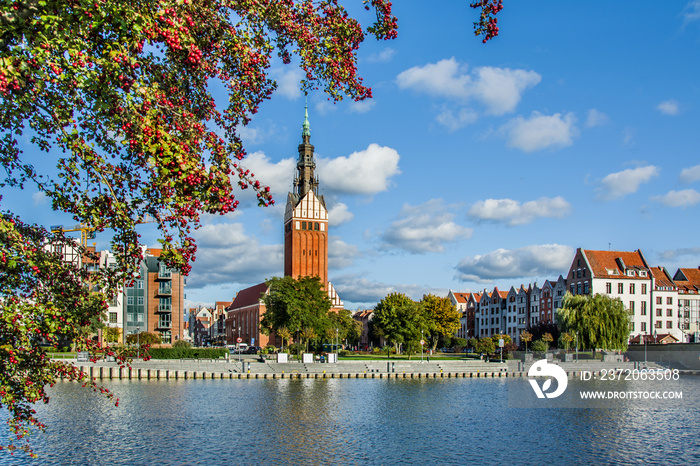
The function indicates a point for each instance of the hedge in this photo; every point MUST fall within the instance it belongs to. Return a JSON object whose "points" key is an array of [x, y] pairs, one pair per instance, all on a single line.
{"points": [[187, 353]]}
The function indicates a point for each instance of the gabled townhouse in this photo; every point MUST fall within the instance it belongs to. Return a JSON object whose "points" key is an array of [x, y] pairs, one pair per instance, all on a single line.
{"points": [[663, 312], [619, 274], [511, 314], [459, 301], [466, 304], [482, 320], [535, 294], [521, 302], [364, 317], [547, 303], [688, 282]]}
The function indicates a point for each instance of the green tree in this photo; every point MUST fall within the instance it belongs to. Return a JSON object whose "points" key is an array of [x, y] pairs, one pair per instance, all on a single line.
{"points": [[547, 338], [539, 346], [297, 304], [348, 329], [526, 337], [400, 319], [284, 334], [117, 94], [599, 321], [566, 338], [111, 334], [484, 345], [442, 317]]}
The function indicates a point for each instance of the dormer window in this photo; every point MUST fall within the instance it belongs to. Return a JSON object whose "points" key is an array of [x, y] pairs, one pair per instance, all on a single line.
{"points": [[642, 273], [630, 273]]}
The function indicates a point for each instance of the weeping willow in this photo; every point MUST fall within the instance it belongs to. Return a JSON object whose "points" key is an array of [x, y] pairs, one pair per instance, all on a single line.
{"points": [[599, 321]]}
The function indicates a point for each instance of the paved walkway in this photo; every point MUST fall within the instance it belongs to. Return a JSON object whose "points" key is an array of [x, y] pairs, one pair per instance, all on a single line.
{"points": [[253, 367]]}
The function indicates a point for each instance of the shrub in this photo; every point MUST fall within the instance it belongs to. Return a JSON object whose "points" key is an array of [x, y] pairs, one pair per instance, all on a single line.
{"points": [[182, 344], [182, 352]]}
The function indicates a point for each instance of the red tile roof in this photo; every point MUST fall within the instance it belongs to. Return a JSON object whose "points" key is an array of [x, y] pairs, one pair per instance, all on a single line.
{"points": [[662, 279], [248, 297], [461, 297], [612, 264], [691, 284]]}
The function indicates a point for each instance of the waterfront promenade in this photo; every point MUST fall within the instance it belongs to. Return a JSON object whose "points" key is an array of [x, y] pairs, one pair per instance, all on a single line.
{"points": [[253, 368]]}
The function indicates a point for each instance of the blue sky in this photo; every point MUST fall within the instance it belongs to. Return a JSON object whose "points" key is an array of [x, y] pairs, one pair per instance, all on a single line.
{"points": [[479, 165]]}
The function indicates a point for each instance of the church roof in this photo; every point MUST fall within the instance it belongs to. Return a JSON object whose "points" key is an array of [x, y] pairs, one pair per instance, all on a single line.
{"points": [[248, 297]]}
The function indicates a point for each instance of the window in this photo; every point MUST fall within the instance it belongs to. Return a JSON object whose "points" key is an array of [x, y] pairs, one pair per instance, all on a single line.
{"points": [[658, 313], [166, 337], [631, 288], [669, 324], [165, 304], [620, 288], [657, 324], [644, 326], [658, 300], [139, 284], [139, 301], [129, 300], [578, 289], [669, 300], [644, 288], [112, 317], [644, 308], [669, 313], [631, 306], [585, 288], [316, 226], [303, 225], [608, 287]]}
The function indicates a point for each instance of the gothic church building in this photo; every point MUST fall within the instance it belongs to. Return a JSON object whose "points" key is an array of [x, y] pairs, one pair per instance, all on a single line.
{"points": [[305, 249]]}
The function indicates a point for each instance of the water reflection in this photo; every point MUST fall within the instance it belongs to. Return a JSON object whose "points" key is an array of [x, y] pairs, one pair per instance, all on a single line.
{"points": [[358, 421]]}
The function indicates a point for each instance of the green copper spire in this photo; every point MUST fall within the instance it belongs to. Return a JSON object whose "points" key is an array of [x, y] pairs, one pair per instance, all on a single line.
{"points": [[306, 127]]}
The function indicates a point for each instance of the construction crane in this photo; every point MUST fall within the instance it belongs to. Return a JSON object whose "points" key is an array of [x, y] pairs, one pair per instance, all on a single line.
{"points": [[87, 232]]}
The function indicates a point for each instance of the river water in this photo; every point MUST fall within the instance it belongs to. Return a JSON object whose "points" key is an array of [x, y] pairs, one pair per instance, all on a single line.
{"points": [[360, 421]]}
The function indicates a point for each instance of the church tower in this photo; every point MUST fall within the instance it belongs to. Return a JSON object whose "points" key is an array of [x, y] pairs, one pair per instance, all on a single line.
{"points": [[306, 218]]}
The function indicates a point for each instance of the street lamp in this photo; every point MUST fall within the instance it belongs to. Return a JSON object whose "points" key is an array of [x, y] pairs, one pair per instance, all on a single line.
{"points": [[239, 344]]}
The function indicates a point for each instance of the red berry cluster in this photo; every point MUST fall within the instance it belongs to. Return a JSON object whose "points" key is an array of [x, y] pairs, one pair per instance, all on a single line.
{"points": [[488, 23]]}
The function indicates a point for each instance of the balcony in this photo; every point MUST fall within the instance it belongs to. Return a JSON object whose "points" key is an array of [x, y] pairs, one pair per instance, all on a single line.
{"points": [[164, 291], [163, 325], [164, 309]]}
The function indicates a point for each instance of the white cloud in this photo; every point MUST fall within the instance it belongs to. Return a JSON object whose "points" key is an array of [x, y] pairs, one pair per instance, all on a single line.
{"points": [[454, 122], [628, 135], [541, 131], [356, 288], [684, 198], [288, 81], [225, 254], [498, 89], [39, 198], [278, 176], [424, 228], [620, 184], [596, 118], [382, 57], [339, 214], [514, 213], [690, 175], [668, 107], [362, 106], [529, 261], [365, 172], [691, 12], [673, 254], [340, 253]]}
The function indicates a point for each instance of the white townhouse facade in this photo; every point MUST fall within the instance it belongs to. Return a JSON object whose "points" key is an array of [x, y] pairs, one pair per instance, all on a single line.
{"points": [[664, 318], [619, 274]]}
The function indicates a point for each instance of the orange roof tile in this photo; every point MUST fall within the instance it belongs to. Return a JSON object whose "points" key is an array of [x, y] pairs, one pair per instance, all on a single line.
{"points": [[607, 264]]}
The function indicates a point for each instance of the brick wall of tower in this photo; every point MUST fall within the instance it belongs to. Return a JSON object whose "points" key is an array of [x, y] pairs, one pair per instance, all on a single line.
{"points": [[306, 252]]}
